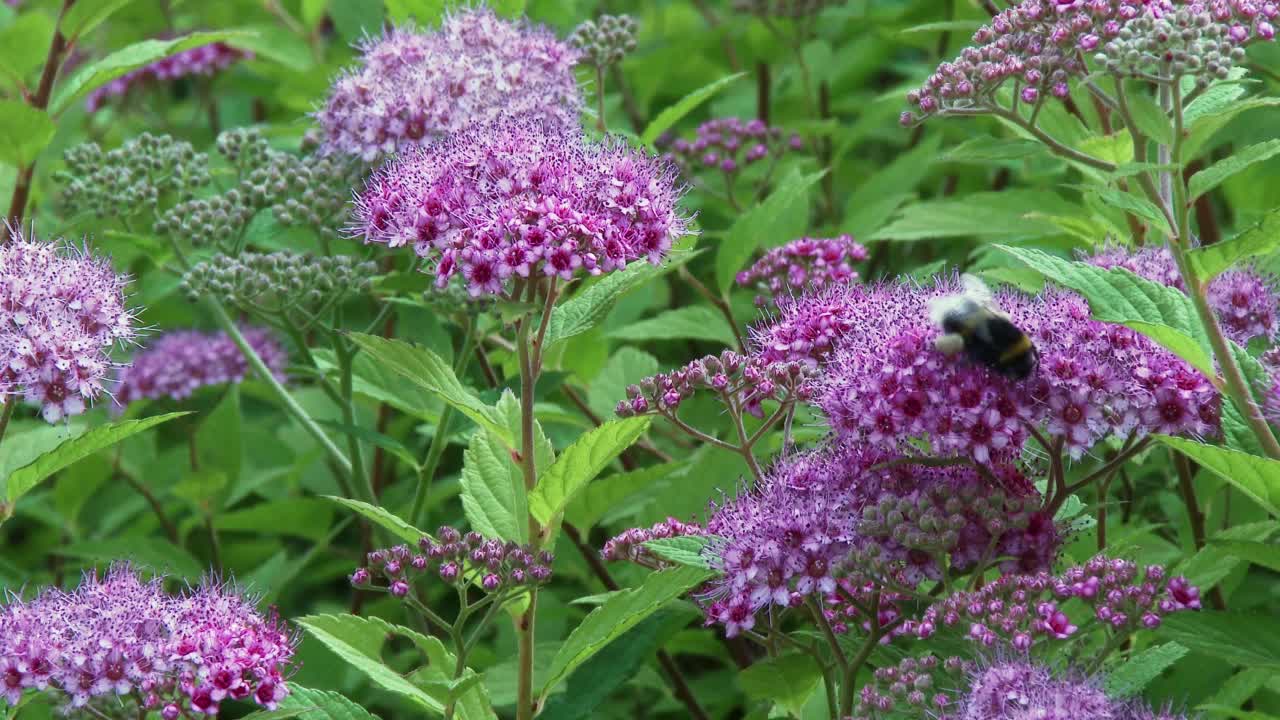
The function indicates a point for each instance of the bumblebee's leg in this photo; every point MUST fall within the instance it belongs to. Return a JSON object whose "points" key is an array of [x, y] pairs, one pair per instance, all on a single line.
{"points": [[949, 343]]}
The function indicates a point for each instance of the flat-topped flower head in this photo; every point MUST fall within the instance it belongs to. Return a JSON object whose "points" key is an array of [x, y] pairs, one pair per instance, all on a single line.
{"points": [[803, 266], [519, 199], [119, 639], [204, 60], [412, 87], [180, 362], [62, 311]]}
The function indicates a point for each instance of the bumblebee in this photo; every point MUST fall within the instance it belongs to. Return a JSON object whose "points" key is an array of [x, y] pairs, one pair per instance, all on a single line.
{"points": [[972, 323]]}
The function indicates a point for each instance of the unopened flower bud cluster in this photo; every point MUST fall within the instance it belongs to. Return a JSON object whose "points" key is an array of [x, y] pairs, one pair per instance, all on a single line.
{"points": [[136, 177], [629, 545], [920, 684], [1026, 609], [606, 40], [1187, 41], [730, 144], [456, 559], [279, 281], [743, 380], [846, 606], [802, 266]]}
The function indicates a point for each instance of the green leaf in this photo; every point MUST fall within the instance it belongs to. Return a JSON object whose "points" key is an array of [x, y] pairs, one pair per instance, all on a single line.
{"points": [[24, 132], [1214, 175], [578, 465], [25, 45], [429, 12], [616, 616], [590, 306], [1162, 313], [1150, 118], [23, 479], [1003, 214], [1238, 638], [125, 60], [1213, 110], [1262, 239], [685, 550], [156, 554], [1258, 478], [762, 223], [672, 115], [1137, 672], [383, 518], [787, 681], [1139, 206], [302, 517], [493, 493], [355, 19], [615, 492], [695, 322], [1263, 554], [626, 366], [430, 372], [320, 705], [988, 150], [1211, 564], [85, 15], [358, 641], [1238, 689]]}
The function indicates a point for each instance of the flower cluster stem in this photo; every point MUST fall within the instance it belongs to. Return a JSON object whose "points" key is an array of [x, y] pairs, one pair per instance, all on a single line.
{"points": [[525, 622]]}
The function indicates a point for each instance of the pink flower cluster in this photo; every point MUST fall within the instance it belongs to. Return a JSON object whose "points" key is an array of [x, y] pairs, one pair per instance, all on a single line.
{"points": [[1041, 45], [730, 144], [741, 381], [122, 639], [1024, 609], [848, 512], [521, 199], [885, 383], [62, 311], [413, 87], [1244, 300], [629, 545], [456, 559], [803, 266], [204, 60], [180, 362]]}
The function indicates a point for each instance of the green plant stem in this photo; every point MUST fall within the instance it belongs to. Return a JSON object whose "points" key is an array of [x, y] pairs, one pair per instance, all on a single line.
{"points": [[847, 693], [1195, 517], [525, 623], [1059, 148], [440, 439], [716, 301], [837, 652], [601, 125], [10, 402], [346, 360]]}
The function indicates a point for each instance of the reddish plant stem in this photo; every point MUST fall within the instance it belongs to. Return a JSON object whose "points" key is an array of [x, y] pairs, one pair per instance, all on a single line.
{"points": [[713, 22], [764, 87], [1186, 486], [53, 62]]}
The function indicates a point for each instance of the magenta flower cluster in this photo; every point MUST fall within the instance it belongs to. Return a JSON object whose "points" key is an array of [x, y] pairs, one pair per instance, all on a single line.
{"points": [[413, 87], [519, 200], [730, 144], [885, 383], [62, 311], [629, 544], [1244, 300], [455, 559], [1041, 45], [741, 381], [847, 511], [803, 266], [1021, 689], [183, 361], [120, 638], [1025, 609], [204, 60]]}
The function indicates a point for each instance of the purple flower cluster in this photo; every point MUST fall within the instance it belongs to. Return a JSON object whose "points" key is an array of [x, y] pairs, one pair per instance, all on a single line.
{"points": [[180, 362], [456, 559], [1024, 609], [122, 639], [204, 60], [885, 383], [1041, 45], [62, 310], [849, 512], [913, 682], [729, 144], [413, 87], [629, 545], [1244, 300], [1018, 689], [802, 266], [521, 199], [741, 381]]}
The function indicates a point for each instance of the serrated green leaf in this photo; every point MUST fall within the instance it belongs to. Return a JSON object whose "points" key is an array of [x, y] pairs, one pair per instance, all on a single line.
{"points": [[988, 149], [1150, 119], [26, 44], [1211, 563], [430, 372], [493, 493], [1257, 477], [787, 681], [695, 322], [85, 15], [685, 550], [24, 132], [616, 616], [383, 518], [1238, 689], [1139, 206], [302, 517], [1241, 639], [578, 465], [358, 641], [127, 59], [1004, 214], [586, 309], [673, 114], [1136, 673], [1262, 239], [625, 366], [23, 479], [1214, 175], [762, 223], [1162, 313], [615, 491], [320, 705], [1263, 554], [156, 554]]}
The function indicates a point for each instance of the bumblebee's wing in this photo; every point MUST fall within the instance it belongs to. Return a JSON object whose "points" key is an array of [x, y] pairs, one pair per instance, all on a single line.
{"points": [[976, 289], [941, 307]]}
